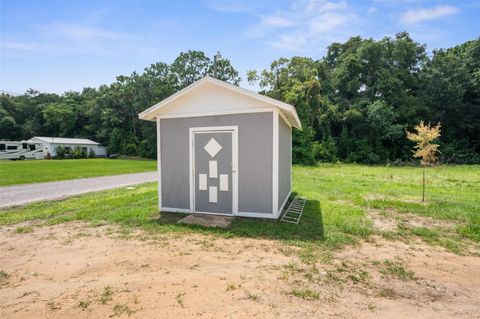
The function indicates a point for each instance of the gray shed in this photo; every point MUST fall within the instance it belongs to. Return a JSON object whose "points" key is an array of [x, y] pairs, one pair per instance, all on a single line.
{"points": [[223, 150]]}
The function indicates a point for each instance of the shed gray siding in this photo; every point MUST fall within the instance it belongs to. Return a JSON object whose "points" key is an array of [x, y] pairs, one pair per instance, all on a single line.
{"points": [[255, 149], [284, 161]]}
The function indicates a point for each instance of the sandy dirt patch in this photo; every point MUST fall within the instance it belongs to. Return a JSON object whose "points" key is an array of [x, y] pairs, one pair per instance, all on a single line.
{"points": [[72, 270]]}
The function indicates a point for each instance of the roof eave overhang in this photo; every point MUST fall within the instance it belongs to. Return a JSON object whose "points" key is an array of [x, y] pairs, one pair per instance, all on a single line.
{"points": [[151, 113]]}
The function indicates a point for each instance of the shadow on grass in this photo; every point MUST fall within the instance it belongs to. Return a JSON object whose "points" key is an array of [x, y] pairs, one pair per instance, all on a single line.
{"points": [[310, 227]]}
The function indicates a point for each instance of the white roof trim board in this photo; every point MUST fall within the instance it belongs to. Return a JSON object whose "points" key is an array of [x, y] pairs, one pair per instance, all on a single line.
{"points": [[64, 140], [287, 109]]}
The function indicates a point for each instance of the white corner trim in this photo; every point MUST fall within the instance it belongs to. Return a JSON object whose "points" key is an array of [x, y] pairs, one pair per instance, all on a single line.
{"points": [[290, 160], [235, 171], [275, 155], [284, 203], [191, 170], [159, 165], [174, 210], [233, 129]]}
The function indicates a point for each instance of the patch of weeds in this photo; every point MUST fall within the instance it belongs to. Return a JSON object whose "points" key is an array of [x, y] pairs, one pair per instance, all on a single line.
{"points": [[3, 274], [472, 228], [231, 286], [396, 269], [428, 234], [179, 298], [206, 243], [251, 295], [289, 270], [359, 276], [124, 233], [306, 294], [82, 234], [388, 293], [287, 251], [53, 305], [312, 254], [106, 295], [24, 230], [333, 277], [68, 241], [120, 309], [453, 245], [84, 304], [50, 236]]}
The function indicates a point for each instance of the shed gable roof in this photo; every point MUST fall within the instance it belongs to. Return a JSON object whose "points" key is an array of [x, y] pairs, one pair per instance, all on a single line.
{"points": [[198, 98]]}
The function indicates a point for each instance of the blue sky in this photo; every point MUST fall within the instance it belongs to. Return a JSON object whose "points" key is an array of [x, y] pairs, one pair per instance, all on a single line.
{"points": [[57, 46]]}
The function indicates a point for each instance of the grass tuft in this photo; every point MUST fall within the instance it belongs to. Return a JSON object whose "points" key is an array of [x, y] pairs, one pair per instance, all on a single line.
{"points": [[106, 295], [306, 294], [396, 269]]}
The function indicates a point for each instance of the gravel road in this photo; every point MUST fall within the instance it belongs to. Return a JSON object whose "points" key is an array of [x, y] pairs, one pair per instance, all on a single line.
{"points": [[28, 193]]}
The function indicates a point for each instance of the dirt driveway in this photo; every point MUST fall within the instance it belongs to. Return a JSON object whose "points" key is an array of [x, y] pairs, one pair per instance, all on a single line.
{"points": [[72, 270]]}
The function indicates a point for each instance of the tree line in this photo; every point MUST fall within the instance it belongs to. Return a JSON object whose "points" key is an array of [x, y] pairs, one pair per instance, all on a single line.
{"points": [[355, 103]]}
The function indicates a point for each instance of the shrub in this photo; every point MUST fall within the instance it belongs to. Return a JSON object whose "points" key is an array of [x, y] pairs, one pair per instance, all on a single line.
{"points": [[325, 151], [146, 149], [79, 152], [61, 151], [130, 149], [92, 154]]}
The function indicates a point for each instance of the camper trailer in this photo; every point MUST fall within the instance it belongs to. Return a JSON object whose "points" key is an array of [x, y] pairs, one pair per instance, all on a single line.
{"points": [[20, 150]]}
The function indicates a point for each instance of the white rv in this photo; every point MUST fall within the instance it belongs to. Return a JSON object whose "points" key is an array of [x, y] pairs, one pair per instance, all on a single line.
{"points": [[20, 150]]}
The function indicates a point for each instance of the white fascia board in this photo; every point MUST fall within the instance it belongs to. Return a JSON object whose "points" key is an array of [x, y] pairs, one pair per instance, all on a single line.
{"points": [[149, 114]]}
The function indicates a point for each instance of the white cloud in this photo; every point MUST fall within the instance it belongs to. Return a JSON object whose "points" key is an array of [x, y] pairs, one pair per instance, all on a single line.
{"points": [[276, 21], [79, 31], [292, 42], [306, 25], [61, 38], [329, 21], [21, 46], [230, 6], [325, 6], [372, 10], [418, 15]]}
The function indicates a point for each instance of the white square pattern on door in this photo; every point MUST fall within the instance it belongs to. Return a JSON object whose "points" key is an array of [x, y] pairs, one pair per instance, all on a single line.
{"points": [[212, 148]]}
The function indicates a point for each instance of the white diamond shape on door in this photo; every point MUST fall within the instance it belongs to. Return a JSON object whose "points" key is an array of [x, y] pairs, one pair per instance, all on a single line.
{"points": [[212, 147]]}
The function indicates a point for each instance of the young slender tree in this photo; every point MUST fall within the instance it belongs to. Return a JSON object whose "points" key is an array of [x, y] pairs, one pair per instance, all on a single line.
{"points": [[424, 148]]}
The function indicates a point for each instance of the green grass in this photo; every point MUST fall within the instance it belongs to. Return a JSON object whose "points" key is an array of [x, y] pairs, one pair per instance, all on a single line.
{"points": [[307, 294], [24, 172], [392, 268], [335, 213]]}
